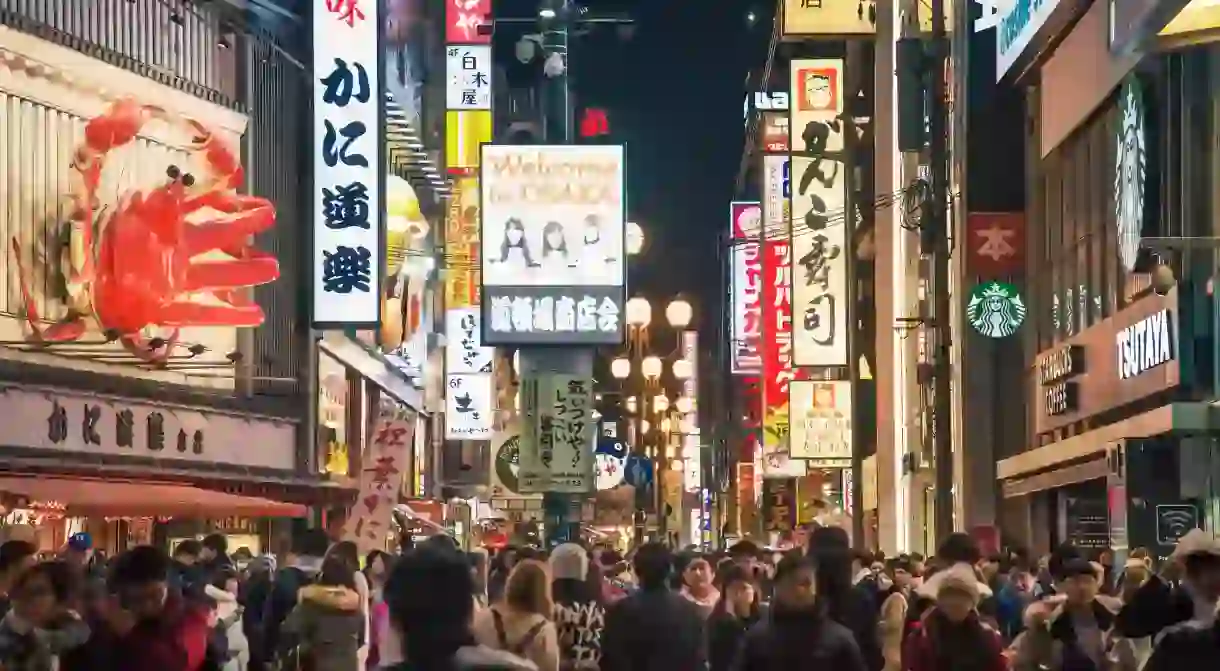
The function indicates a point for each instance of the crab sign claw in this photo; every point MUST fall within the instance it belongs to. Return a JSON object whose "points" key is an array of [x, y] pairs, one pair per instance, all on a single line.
{"points": [[226, 166]]}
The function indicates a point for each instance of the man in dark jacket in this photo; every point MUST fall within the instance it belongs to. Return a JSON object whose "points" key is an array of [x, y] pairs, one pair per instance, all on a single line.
{"points": [[1158, 604], [654, 629], [214, 554], [843, 602], [796, 635], [186, 575], [304, 562]]}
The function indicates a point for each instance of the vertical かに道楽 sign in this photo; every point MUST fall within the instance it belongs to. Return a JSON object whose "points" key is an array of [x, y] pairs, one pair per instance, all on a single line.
{"points": [[349, 204]]}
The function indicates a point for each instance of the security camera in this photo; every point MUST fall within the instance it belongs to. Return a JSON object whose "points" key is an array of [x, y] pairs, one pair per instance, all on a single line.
{"points": [[554, 65], [1162, 279]]}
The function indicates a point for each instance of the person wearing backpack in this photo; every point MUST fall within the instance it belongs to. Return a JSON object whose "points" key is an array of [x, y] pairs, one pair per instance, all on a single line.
{"points": [[520, 622]]}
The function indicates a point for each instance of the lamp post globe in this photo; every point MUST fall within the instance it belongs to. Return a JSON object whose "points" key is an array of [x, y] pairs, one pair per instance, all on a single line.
{"points": [[630, 404], [685, 405], [620, 368], [660, 403], [683, 370], [635, 238], [638, 312], [679, 313], [651, 367]]}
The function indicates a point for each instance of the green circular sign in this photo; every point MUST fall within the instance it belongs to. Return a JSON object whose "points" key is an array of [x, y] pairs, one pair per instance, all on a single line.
{"points": [[995, 309], [507, 459]]}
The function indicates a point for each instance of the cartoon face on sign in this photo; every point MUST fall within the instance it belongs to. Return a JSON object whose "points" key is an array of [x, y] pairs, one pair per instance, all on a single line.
{"points": [[749, 222], [819, 90]]}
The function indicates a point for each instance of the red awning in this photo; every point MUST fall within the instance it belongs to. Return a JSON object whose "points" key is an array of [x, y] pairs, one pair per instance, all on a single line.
{"points": [[112, 498]]}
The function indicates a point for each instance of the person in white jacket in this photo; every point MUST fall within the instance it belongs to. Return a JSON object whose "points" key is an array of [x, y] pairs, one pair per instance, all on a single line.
{"points": [[228, 618]]}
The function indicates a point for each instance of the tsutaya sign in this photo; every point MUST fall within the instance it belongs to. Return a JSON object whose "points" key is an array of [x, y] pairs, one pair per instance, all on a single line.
{"points": [[1144, 345]]}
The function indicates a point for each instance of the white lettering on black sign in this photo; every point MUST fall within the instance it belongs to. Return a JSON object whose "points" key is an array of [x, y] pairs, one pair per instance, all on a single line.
{"points": [[1144, 345]]}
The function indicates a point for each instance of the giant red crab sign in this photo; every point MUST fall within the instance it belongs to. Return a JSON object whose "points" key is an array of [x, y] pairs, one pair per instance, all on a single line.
{"points": [[141, 265]]}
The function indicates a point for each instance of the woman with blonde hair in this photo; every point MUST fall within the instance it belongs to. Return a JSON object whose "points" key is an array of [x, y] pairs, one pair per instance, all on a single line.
{"points": [[520, 622]]}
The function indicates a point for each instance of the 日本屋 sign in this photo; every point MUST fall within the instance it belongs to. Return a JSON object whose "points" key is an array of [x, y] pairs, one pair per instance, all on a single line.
{"points": [[383, 467], [558, 437], [995, 309], [746, 225], [819, 236], [348, 244], [76, 424], [463, 19], [468, 77], [821, 423], [553, 242]]}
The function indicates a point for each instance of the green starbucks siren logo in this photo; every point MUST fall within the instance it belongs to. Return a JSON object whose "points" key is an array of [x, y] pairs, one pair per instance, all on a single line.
{"points": [[1130, 172], [995, 309]]}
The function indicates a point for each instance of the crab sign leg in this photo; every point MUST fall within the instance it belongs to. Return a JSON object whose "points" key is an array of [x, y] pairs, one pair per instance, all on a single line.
{"points": [[242, 217], [231, 274], [69, 329], [140, 347], [187, 313]]}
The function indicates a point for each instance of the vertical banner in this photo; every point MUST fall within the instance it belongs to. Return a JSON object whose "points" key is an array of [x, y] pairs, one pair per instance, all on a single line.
{"points": [[557, 441], [746, 228], [469, 398], [692, 450], [821, 423], [463, 19], [779, 505], [385, 464], [348, 200], [820, 216]]}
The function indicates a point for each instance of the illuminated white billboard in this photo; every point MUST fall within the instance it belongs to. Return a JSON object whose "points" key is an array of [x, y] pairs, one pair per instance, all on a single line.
{"points": [[553, 240], [745, 226], [469, 384], [820, 251], [821, 423], [775, 189], [348, 207]]}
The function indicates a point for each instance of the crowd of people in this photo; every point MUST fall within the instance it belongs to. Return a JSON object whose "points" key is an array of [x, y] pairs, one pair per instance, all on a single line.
{"points": [[434, 607]]}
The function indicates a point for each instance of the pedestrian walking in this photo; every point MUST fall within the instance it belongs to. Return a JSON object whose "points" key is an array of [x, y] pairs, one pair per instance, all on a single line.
{"points": [[736, 611], [42, 625], [579, 614], [520, 623], [654, 628], [951, 636], [850, 605], [229, 627], [304, 562], [325, 631]]}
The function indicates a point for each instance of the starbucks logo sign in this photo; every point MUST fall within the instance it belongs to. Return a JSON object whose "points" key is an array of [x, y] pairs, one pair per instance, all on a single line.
{"points": [[995, 309], [1130, 172]]}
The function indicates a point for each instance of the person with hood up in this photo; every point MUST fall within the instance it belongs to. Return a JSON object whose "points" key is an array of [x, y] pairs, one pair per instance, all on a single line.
{"points": [[304, 562], [428, 595], [223, 590], [958, 549], [797, 634], [845, 603], [1074, 629], [734, 615], [579, 615], [326, 628], [655, 628], [1157, 604], [951, 636]]}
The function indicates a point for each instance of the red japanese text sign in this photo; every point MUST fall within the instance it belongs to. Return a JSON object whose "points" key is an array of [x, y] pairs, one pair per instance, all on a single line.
{"points": [[751, 415], [995, 244], [462, 21], [745, 220], [776, 343], [384, 465]]}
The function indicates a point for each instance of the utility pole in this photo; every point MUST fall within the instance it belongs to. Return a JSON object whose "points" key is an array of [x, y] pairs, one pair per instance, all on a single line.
{"points": [[938, 232]]}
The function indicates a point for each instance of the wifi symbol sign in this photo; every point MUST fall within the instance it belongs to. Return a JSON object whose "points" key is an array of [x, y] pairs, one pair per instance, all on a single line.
{"points": [[1174, 521]]}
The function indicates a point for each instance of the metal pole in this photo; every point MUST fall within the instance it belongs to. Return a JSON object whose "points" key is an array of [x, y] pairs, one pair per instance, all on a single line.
{"points": [[854, 346], [939, 150]]}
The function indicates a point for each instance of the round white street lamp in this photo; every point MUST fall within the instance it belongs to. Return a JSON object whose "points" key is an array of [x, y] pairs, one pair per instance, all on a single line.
{"points": [[683, 370], [620, 368], [635, 238], [660, 403], [638, 312], [630, 404], [679, 313], [651, 367], [645, 427], [685, 405]]}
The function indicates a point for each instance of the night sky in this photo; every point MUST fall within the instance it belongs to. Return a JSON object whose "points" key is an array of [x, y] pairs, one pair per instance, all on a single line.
{"points": [[674, 97]]}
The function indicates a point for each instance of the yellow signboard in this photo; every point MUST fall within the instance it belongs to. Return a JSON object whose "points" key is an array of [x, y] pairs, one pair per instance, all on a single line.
{"points": [[462, 244], [829, 18], [465, 132]]}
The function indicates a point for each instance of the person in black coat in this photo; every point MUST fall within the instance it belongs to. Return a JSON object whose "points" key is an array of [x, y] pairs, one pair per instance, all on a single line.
{"points": [[732, 617], [797, 634], [1188, 645], [830, 550], [654, 629], [1158, 604]]}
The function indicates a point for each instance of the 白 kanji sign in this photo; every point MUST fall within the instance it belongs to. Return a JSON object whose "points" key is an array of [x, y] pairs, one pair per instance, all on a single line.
{"points": [[995, 244]]}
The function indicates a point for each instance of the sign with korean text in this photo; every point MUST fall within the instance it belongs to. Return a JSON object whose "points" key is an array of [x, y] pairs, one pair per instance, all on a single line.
{"points": [[818, 195], [465, 353], [745, 219], [462, 244], [76, 424], [384, 465], [559, 437], [996, 244], [468, 77], [828, 18], [773, 132], [469, 407], [776, 188], [348, 247], [821, 423], [463, 19], [553, 236], [776, 343]]}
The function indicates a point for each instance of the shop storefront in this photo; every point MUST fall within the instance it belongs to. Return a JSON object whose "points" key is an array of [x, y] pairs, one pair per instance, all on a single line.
{"points": [[1119, 405]]}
